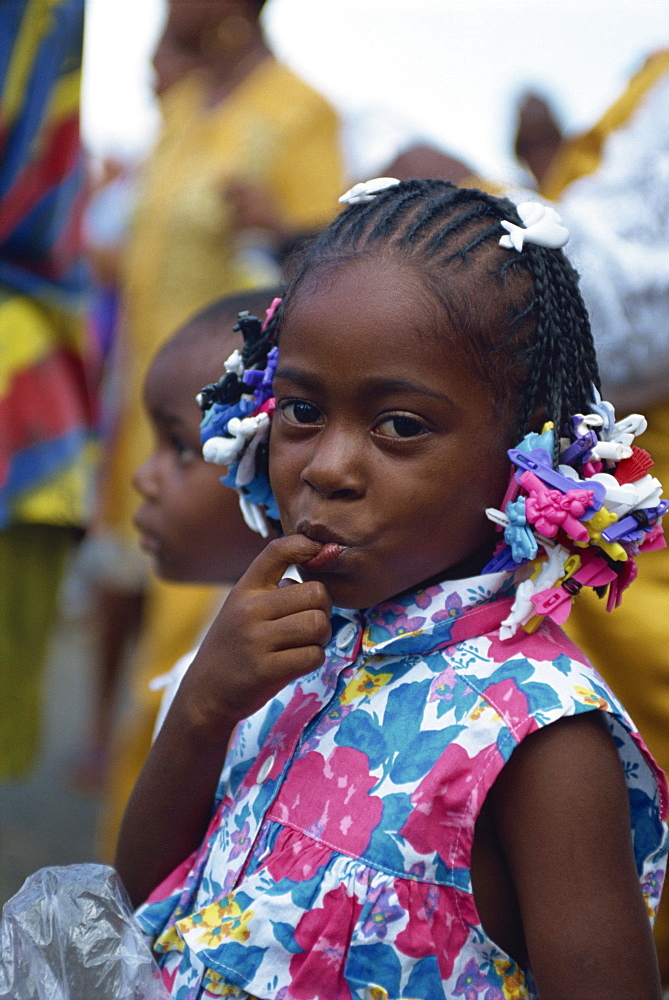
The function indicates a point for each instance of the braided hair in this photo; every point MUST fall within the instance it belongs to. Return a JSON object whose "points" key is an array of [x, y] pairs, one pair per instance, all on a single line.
{"points": [[518, 315]]}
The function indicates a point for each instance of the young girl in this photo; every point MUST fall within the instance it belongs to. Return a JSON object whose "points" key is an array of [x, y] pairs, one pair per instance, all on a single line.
{"points": [[429, 792]]}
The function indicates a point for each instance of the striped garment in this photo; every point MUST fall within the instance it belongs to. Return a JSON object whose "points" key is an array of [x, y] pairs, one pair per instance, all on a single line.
{"points": [[46, 411]]}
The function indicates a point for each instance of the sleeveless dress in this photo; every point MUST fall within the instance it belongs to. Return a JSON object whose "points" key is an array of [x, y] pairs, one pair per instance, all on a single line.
{"points": [[337, 861]]}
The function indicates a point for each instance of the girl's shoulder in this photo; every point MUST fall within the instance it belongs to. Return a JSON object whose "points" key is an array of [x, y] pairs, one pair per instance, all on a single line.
{"points": [[546, 665], [512, 688]]}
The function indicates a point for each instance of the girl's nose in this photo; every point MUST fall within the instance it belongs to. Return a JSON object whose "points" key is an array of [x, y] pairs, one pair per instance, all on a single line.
{"points": [[145, 479], [335, 469]]}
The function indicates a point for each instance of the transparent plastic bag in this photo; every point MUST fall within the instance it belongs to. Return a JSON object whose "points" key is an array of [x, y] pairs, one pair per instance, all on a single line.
{"points": [[69, 934]]}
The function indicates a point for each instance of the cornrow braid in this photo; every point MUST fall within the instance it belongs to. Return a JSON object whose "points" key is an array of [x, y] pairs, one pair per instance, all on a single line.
{"points": [[518, 315]]}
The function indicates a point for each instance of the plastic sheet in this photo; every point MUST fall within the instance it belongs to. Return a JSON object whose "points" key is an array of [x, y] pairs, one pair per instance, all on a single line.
{"points": [[70, 934]]}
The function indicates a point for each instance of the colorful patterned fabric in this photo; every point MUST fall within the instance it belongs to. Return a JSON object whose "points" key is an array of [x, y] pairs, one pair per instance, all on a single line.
{"points": [[45, 408], [337, 861]]}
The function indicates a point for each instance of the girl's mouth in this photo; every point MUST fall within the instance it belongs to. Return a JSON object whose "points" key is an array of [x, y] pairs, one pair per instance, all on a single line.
{"points": [[149, 543], [326, 558], [147, 540]]}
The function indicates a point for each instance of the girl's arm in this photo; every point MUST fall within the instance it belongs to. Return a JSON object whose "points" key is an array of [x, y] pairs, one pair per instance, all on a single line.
{"points": [[264, 637], [561, 811]]}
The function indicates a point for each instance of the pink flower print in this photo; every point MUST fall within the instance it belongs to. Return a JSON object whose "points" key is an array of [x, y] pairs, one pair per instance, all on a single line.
{"points": [[511, 703], [392, 618], [423, 598], [299, 711], [297, 714], [296, 858], [447, 802], [451, 609], [403, 625], [546, 643], [382, 913], [168, 976], [324, 934], [241, 841], [329, 799], [442, 687], [471, 983], [433, 924]]}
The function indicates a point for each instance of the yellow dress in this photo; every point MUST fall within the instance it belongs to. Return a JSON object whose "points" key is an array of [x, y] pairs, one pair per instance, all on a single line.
{"points": [[630, 646], [274, 131]]}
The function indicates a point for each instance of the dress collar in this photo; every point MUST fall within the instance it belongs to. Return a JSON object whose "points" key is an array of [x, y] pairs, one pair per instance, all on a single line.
{"points": [[445, 612]]}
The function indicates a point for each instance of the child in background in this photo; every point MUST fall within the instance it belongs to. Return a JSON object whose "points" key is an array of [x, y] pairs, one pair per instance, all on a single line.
{"points": [[429, 792], [192, 528], [189, 524]]}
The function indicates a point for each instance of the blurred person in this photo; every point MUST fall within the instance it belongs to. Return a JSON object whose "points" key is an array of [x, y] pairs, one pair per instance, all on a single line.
{"points": [[106, 217], [46, 409], [189, 524], [248, 158], [105, 226], [611, 186], [537, 136]]}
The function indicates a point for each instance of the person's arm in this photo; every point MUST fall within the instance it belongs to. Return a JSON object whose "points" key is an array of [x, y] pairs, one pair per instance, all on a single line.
{"points": [[264, 637], [562, 816]]}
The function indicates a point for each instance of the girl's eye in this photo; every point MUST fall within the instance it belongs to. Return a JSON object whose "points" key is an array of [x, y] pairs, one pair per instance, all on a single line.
{"points": [[185, 452], [298, 411], [401, 427]]}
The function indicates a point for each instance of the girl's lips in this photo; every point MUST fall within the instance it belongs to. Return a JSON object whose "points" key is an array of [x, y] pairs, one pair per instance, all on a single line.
{"points": [[326, 558], [149, 543]]}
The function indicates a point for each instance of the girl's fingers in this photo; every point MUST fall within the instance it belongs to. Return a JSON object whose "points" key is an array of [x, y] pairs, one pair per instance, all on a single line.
{"points": [[266, 570], [296, 631], [286, 601], [288, 664]]}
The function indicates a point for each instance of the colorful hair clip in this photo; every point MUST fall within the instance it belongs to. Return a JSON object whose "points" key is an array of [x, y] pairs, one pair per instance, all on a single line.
{"points": [[237, 411], [542, 225], [581, 524]]}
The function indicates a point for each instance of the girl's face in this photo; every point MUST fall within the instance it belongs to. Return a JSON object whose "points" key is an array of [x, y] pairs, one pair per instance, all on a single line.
{"points": [[188, 521], [383, 441]]}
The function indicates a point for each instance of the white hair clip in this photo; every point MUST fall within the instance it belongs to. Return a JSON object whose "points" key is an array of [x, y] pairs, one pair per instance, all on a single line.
{"points": [[365, 190], [543, 226]]}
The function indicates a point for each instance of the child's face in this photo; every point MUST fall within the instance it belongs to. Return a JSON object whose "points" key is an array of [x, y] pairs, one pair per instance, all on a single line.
{"points": [[189, 522], [383, 440]]}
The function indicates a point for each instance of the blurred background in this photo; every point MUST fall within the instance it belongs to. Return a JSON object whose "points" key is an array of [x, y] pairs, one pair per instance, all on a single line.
{"points": [[446, 74], [451, 70]]}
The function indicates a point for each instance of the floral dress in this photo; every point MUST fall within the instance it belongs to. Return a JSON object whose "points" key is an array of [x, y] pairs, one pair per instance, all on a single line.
{"points": [[337, 862]]}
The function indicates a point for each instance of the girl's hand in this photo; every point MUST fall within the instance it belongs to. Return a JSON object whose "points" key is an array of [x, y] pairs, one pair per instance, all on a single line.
{"points": [[264, 637]]}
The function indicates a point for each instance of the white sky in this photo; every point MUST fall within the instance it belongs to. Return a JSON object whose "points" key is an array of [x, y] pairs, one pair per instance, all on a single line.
{"points": [[451, 67]]}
